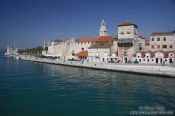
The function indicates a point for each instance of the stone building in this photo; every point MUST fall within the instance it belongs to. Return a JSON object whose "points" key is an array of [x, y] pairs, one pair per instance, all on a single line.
{"points": [[129, 41], [164, 41], [123, 47], [103, 29], [104, 50], [161, 49]]}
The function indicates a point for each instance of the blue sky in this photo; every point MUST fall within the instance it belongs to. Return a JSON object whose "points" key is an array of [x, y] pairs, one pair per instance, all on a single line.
{"points": [[29, 22]]}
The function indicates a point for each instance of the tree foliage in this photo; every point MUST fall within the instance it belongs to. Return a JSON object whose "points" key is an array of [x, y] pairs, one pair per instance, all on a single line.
{"points": [[31, 51]]}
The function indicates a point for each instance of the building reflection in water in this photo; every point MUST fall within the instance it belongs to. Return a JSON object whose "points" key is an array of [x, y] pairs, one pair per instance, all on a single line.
{"points": [[123, 89]]}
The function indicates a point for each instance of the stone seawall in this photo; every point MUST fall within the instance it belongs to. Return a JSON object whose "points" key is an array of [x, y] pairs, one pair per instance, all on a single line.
{"points": [[166, 71]]}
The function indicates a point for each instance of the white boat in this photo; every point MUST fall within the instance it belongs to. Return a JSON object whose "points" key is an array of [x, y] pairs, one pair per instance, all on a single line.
{"points": [[16, 57]]}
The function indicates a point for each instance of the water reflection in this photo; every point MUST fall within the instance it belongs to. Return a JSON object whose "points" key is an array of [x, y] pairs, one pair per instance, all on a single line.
{"points": [[53, 89], [122, 88]]}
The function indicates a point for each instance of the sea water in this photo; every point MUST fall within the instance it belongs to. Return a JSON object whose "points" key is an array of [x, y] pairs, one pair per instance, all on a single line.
{"points": [[37, 89]]}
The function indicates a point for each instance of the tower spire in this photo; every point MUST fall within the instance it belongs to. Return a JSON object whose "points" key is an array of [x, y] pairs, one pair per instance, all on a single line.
{"points": [[103, 29]]}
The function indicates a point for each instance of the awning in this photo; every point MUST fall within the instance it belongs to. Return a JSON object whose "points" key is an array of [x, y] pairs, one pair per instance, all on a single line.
{"points": [[125, 42], [82, 54]]}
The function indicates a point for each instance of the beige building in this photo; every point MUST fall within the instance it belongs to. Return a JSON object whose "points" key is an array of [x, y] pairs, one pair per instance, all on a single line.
{"points": [[161, 49], [162, 41], [104, 50], [55, 49], [129, 41]]}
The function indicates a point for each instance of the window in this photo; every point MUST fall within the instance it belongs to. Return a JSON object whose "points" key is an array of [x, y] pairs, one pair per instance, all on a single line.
{"points": [[152, 39], [140, 60], [152, 59], [152, 46], [158, 46], [147, 60], [143, 59], [171, 46], [164, 39], [164, 46], [128, 31], [122, 31], [158, 39], [135, 32]]}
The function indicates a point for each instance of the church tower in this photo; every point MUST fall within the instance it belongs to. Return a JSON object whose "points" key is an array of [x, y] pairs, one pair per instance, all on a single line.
{"points": [[103, 29]]}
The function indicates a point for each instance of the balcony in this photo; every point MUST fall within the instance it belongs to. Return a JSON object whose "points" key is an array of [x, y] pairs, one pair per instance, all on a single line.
{"points": [[125, 42]]}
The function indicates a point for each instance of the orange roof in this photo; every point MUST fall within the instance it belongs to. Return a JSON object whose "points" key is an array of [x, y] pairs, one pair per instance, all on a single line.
{"points": [[87, 40], [98, 39], [147, 42], [104, 39], [82, 54]]}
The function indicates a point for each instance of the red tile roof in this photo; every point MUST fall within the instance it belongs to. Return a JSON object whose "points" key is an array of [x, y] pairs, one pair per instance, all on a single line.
{"points": [[104, 39], [162, 33], [87, 40], [82, 54], [98, 39]]}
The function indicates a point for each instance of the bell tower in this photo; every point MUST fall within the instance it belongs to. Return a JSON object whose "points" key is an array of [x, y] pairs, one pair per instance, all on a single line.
{"points": [[103, 29]]}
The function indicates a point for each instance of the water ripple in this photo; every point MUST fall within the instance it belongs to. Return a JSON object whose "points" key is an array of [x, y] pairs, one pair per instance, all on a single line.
{"points": [[27, 88]]}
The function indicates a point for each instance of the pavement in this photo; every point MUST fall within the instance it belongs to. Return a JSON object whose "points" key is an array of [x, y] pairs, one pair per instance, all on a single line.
{"points": [[148, 69]]}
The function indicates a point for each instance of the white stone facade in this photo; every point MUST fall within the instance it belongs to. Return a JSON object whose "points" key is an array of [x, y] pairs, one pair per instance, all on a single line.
{"points": [[129, 41], [128, 46], [103, 29], [164, 41], [156, 58]]}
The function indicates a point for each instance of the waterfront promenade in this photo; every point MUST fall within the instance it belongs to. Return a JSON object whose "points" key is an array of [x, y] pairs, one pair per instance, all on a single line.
{"points": [[166, 71]]}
